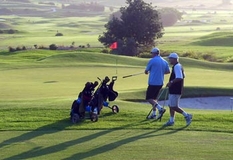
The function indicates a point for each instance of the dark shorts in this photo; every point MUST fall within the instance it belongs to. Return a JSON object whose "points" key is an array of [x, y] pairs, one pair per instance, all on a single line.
{"points": [[152, 92]]}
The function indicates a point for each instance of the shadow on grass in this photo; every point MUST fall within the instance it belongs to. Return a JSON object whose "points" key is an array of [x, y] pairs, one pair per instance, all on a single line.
{"points": [[114, 145], [37, 152], [47, 129]]}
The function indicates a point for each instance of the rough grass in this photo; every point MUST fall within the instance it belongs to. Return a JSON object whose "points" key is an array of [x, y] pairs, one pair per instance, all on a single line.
{"points": [[216, 39]]}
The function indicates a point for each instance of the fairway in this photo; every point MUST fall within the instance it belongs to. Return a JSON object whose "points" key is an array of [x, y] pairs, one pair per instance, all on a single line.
{"points": [[116, 144]]}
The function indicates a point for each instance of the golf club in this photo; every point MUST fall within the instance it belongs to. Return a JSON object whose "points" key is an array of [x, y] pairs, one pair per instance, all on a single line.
{"points": [[132, 75], [158, 99], [165, 98]]}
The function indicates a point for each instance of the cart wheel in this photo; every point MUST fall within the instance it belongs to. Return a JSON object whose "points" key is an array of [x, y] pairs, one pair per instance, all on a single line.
{"points": [[115, 109], [94, 117], [75, 118]]}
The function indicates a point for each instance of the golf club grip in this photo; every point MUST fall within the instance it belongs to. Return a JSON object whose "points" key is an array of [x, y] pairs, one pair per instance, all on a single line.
{"points": [[127, 76]]}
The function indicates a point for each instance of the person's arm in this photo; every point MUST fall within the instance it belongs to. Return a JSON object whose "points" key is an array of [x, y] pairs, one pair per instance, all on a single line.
{"points": [[179, 75], [167, 70], [148, 67]]}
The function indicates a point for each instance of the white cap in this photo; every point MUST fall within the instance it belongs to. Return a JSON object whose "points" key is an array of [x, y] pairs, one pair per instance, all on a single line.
{"points": [[173, 55], [155, 50]]}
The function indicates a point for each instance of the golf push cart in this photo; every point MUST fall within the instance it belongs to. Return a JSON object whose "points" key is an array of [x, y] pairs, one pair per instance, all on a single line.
{"points": [[91, 100]]}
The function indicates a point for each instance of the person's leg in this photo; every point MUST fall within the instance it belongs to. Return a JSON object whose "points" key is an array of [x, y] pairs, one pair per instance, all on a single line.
{"points": [[151, 97], [171, 102], [172, 115], [175, 108]]}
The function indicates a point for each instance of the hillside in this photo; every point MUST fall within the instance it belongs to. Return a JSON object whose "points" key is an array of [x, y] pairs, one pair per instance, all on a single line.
{"points": [[45, 58], [216, 39]]}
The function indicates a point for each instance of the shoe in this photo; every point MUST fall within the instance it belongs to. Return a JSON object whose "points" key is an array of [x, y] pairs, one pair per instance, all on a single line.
{"points": [[169, 123], [161, 112], [188, 119], [151, 117]]}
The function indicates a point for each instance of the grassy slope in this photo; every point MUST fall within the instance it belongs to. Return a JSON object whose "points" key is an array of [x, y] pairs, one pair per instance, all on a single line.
{"points": [[31, 70]]}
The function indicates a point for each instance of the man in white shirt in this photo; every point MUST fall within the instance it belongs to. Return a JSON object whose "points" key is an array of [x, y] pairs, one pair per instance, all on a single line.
{"points": [[176, 84]]}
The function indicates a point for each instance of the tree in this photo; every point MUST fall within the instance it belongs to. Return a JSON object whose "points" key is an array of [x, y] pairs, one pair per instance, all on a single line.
{"points": [[170, 16], [138, 27]]}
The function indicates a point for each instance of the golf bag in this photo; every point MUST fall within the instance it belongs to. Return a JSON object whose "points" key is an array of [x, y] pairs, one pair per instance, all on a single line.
{"points": [[92, 101], [104, 94], [78, 107]]}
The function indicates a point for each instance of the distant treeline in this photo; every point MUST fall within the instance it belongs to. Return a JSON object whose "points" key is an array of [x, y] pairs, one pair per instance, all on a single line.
{"points": [[23, 1]]}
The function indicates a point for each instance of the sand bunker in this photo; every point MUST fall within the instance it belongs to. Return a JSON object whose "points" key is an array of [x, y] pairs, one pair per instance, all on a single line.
{"points": [[214, 103]]}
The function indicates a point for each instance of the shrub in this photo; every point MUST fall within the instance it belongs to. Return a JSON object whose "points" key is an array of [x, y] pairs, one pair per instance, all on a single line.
{"points": [[230, 59], [42, 47], [144, 55], [148, 55], [88, 45], [59, 34], [18, 48], [24, 48], [53, 47], [209, 57], [11, 31], [105, 50], [83, 46], [191, 54], [11, 49], [1, 32]]}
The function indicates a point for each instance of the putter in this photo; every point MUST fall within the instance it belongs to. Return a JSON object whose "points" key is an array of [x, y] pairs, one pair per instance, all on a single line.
{"points": [[157, 99]]}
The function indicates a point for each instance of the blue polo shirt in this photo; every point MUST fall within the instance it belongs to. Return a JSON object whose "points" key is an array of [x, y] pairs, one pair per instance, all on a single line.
{"points": [[157, 67]]}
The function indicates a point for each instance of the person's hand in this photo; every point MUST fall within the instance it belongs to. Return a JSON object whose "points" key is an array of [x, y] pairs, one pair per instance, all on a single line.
{"points": [[169, 84], [146, 72]]}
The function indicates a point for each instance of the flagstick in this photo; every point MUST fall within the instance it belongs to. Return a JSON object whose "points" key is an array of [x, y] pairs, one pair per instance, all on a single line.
{"points": [[116, 66]]}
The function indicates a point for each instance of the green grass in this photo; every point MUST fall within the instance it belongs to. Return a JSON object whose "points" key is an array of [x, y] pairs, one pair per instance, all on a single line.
{"points": [[38, 129], [117, 144]]}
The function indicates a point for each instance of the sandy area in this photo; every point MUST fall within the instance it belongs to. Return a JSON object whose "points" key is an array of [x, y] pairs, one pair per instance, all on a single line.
{"points": [[214, 103]]}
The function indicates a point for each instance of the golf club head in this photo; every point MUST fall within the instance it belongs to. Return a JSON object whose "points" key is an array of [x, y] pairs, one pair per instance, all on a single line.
{"points": [[114, 78], [106, 79], [96, 83]]}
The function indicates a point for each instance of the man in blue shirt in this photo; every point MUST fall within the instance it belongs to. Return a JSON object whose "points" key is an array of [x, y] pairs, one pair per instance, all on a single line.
{"points": [[157, 67]]}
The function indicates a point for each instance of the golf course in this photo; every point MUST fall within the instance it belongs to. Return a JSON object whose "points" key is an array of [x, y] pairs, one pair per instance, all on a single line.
{"points": [[38, 86]]}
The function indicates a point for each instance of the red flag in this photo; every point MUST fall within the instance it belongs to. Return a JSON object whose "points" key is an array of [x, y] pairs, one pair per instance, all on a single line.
{"points": [[113, 46]]}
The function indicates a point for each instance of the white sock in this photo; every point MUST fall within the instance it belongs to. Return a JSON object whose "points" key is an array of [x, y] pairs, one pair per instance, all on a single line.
{"points": [[185, 114], [158, 107], [172, 119], [154, 113]]}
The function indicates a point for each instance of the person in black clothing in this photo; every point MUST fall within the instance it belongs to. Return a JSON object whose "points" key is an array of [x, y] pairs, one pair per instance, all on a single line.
{"points": [[176, 84]]}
